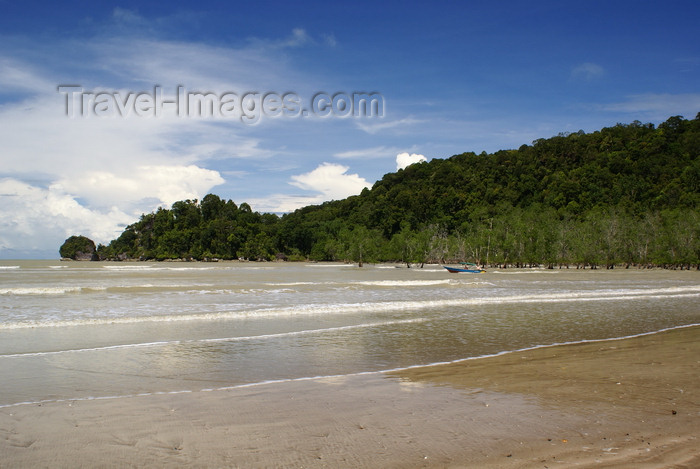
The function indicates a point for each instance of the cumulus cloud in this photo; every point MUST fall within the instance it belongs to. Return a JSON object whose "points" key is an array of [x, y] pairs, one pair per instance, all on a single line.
{"points": [[332, 181], [166, 184], [404, 159], [91, 175], [98, 205], [329, 182], [284, 203], [36, 218]]}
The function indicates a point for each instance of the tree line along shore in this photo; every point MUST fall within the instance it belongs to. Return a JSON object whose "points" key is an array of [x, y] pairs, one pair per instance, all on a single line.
{"points": [[626, 195]]}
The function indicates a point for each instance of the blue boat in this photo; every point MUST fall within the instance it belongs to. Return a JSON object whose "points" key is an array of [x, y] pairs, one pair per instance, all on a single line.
{"points": [[456, 270]]}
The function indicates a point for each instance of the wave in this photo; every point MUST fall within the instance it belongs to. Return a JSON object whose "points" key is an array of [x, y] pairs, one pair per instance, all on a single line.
{"points": [[281, 381], [191, 287], [176, 267], [293, 284], [528, 271], [377, 283], [128, 267], [403, 283], [9, 267], [50, 291], [377, 307], [208, 288], [184, 289], [218, 339], [39, 290], [151, 268]]}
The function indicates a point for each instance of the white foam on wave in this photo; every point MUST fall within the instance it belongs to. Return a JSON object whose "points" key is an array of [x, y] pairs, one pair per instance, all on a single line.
{"points": [[527, 271], [403, 283], [62, 290], [9, 267], [128, 267], [380, 307], [294, 284], [160, 268], [39, 290], [164, 286]]}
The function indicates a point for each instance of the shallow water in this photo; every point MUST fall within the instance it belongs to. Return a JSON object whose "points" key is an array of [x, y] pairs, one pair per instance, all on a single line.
{"points": [[71, 330]]}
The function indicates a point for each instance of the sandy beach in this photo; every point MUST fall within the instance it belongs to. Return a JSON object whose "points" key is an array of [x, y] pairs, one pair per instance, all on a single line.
{"points": [[622, 403]]}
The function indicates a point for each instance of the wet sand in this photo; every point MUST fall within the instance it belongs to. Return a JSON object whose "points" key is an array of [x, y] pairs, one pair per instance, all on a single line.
{"points": [[631, 403]]}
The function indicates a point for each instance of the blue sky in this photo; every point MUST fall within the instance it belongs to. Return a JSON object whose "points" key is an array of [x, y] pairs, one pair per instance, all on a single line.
{"points": [[453, 76]]}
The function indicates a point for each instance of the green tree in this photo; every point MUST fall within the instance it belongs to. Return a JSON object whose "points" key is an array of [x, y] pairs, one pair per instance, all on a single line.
{"points": [[622, 194], [78, 248]]}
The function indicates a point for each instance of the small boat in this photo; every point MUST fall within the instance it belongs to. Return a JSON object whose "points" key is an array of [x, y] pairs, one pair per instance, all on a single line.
{"points": [[456, 270]]}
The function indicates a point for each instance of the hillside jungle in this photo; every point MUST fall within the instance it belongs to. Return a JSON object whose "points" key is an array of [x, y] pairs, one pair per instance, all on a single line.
{"points": [[626, 195]]}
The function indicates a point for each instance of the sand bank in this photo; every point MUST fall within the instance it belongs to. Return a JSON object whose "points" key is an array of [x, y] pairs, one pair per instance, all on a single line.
{"points": [[627, 403]]}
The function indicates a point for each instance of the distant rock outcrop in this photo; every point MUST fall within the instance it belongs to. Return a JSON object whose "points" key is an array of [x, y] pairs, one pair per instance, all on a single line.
{"points": [[79, 248]]}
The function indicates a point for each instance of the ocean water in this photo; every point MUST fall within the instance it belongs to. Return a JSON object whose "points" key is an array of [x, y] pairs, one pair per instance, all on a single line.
{"points": [[91, 330]]}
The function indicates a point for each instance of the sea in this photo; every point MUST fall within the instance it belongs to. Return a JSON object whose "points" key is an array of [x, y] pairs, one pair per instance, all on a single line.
{"points": [[98, 330]]}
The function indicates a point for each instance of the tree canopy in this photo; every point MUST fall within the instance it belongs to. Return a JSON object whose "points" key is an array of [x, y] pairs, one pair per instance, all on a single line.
{"points": [[624, 194], [78, 248]]}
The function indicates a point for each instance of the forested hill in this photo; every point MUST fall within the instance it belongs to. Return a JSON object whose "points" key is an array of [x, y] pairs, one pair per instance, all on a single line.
{"points": [[627, 194]]}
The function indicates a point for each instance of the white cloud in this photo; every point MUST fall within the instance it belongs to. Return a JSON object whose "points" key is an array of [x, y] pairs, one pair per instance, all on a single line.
{"points": [[36, 134], [298, 38], [659, 106], [330, 40], [97, 204], [397, 126], [209, 68], [378, 152], [17, 76], [404, 159], [332, 181], [91, 175], [166, 184], [129, 18], [284, 203], [36, 218], [97, 173], [587, 71]]}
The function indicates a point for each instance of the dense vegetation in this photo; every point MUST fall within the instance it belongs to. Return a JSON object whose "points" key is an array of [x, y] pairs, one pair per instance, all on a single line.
{"points": [[78, 248], [627, 194]]}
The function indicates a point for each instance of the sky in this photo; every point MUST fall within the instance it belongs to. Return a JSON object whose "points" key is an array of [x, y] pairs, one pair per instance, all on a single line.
{"points": [[109, 110]]}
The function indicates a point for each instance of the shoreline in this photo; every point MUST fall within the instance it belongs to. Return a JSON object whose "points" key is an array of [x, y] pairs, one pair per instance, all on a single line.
{"points": [[377, 373], [630, 402], [627, 402], [399, 264]]}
